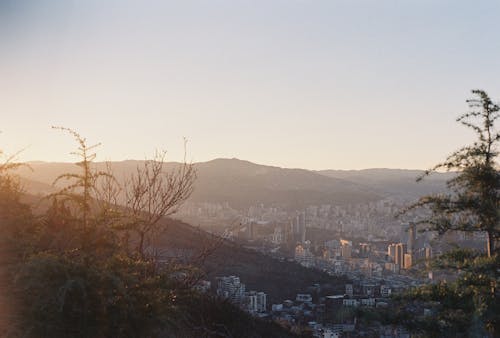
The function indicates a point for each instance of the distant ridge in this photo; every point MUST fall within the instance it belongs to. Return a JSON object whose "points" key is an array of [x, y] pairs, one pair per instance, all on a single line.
{"points": [[245, 183], [242, 183], [238, 182], [396, 183]]}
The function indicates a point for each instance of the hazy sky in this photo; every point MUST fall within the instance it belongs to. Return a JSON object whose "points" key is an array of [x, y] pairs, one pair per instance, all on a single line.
{"points": [[313, 84]]}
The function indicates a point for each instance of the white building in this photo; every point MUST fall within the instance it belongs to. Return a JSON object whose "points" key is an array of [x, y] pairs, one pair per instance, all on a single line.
{"points": [[256, 302], [231, 288], [304, 256], [277, 236]]}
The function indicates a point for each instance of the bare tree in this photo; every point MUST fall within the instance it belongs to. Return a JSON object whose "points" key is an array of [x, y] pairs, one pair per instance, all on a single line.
{"points": [[153, 193], [109, 199]]}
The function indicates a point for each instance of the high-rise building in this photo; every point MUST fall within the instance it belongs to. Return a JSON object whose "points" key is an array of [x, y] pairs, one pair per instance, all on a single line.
{"points": [[231, 288], [346, 248], [296, 225], [256, 302], [412, 237], [261, 302], [391, 251], [408, 261], [302, 226], [404, 232], [400, 254]]}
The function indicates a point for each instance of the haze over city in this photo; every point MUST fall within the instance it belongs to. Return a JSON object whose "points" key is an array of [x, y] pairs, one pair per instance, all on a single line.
{"points": [[249, 168], [309, 84]]}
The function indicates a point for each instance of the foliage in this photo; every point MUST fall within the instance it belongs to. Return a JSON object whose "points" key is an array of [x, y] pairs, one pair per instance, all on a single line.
{"points": [[72, 275], [469, 305], [69, 297], [473, 205], [465, 308], [83, 186]]}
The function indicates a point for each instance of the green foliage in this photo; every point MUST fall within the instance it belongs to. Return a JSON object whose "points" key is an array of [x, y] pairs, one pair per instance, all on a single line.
{"points": [[82, 188], [465, 308], [72, 275], [210, 317], [77, 280], [473, 205], [469, 305], [116, 297]]}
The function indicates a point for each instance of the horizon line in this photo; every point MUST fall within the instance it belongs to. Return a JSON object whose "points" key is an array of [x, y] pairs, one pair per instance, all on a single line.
{"points": [[231, 159]]}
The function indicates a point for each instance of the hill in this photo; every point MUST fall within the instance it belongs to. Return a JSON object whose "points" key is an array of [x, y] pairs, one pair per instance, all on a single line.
{"points": [[395, 183], [241, 183], [279, 279], [217, 257], [31, 287]]}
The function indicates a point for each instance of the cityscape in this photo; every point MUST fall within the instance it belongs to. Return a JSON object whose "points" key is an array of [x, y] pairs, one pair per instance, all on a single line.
{"points": [[249, 169], [389, 258]]}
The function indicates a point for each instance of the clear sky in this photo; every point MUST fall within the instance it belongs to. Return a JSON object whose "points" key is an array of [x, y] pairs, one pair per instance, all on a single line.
{"points": [[313, 84]]}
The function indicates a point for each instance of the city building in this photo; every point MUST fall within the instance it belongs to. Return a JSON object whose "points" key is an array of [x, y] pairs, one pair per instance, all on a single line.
{"points": [[303, 255], [302, 227], [385, 291], [277, 236], [349, 290], [346, 248], [408, 261], [400, 255], [412, 237], [256, 302], [391, 251], [364, 249], [231, 288]]}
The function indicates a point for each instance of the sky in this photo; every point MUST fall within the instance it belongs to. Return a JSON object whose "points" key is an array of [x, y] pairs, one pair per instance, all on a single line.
{"points": [[312, 84]]}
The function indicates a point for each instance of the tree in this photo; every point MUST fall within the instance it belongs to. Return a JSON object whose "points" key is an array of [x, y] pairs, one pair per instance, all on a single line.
{"points": [[473, 204], [82, 188], [69, 285], [469, 305], [153, 193], [10, 188], [64, 287]]}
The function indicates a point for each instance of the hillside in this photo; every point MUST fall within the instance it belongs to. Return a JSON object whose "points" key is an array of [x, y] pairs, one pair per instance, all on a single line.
{"points": [[194, 314], [280, 280], [241, 183], [244, 183], [396, 183], [186, 243]]}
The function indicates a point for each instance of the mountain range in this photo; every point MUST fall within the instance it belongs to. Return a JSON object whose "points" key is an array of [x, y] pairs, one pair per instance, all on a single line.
{"points": [[242, 183]]}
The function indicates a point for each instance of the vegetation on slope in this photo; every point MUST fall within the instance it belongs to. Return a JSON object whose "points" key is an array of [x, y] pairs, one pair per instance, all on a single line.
{"points": [[72, 272]]}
